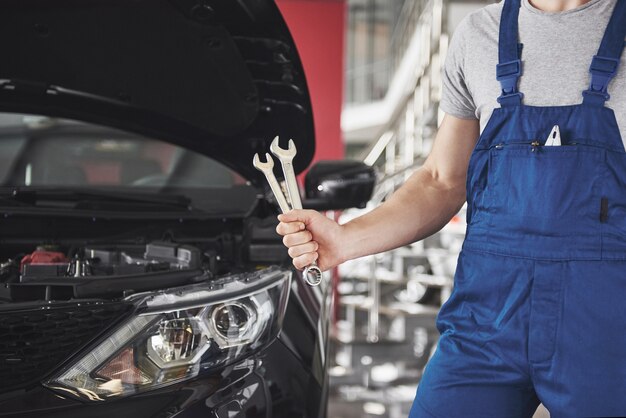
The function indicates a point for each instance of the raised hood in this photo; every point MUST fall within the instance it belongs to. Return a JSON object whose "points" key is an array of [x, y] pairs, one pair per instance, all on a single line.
{"points": [[221, 77]]}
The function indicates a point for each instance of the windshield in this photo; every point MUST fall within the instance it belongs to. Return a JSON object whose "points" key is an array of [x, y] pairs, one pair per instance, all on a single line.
{"points": [[39, 151], [76, 165]]}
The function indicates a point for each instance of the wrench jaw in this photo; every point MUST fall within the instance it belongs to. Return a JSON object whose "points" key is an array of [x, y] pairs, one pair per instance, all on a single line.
{"points": [[262, 166], [267, 168], [282, 153]]}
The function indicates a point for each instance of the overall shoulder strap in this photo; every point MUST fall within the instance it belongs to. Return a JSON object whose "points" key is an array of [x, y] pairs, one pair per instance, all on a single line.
{"points": [[509, 68], [605, 64]]}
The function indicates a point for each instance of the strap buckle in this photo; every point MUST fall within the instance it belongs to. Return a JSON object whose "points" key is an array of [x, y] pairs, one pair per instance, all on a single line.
{"points": [[602, 70], [508, 73], [511, 99], [595, 97]]}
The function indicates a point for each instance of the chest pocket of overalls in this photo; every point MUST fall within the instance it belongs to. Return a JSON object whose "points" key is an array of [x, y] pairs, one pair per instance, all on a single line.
{"points": [[544, 182]]}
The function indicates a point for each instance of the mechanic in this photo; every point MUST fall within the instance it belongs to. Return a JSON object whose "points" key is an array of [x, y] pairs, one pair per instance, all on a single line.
{"points": [[538, 311]]}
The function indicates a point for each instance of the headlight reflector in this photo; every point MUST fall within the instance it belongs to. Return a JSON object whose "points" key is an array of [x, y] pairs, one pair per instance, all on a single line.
{"points": [[235, 323]]}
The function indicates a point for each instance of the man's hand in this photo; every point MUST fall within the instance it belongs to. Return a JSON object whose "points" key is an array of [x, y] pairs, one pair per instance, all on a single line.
{"points": [[311, 236]]}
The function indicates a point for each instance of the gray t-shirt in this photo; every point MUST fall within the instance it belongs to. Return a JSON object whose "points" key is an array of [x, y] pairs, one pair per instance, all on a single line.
{"points": [[558, 48]]}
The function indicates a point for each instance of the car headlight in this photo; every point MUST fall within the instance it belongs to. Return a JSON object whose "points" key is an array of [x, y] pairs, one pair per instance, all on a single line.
{"points": [[178, 333]]}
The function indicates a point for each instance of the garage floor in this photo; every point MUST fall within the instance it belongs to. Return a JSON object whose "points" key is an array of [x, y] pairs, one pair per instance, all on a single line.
{"points": [[338, 408]]}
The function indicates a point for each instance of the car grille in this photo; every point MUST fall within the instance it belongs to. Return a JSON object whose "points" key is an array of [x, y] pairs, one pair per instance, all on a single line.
{"points": [[34, 342]]}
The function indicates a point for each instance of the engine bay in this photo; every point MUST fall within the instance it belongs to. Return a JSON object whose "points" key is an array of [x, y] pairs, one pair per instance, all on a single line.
{"points": [[114, 269], [49, 273], [45, 263]]}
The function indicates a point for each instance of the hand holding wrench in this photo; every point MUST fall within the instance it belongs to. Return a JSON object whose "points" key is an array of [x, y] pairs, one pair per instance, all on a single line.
{"points": [[312, 274]]}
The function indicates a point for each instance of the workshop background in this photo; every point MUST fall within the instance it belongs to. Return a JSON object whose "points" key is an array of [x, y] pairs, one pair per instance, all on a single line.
{"points": [[374, 71]]}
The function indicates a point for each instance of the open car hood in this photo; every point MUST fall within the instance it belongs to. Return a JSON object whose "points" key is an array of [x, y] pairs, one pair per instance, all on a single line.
{"points": [[221, 77]]}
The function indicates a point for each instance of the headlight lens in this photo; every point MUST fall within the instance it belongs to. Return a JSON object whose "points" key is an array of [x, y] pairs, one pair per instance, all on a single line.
{"points": [[164, 345]]}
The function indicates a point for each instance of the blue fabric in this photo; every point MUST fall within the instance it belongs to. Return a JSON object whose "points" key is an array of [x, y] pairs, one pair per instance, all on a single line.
{"points": [[538, 311], [613, 41], [604, 65], [509, 68]]}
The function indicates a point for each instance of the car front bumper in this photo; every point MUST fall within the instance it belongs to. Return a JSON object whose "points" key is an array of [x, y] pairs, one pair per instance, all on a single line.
{"points": [[272, 383]]}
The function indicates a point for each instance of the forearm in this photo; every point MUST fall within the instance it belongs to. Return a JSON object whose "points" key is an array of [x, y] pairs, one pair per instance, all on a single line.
{"points": [[425, 203], [421, 207]]}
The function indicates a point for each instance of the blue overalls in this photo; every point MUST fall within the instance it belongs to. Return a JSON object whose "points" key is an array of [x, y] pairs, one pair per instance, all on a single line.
{"points": [[538, 311]]}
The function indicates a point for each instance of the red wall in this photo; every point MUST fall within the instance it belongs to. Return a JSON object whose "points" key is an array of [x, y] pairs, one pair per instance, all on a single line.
{"points": [[317, 27]]}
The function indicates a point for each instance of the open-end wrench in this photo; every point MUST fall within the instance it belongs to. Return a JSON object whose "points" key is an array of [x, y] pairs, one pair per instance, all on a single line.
{"points": [[285, 156], [267, 168], [312, 273]]}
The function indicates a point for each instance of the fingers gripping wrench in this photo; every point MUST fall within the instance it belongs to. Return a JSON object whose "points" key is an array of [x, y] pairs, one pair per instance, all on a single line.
{"points": [[312, 273]]}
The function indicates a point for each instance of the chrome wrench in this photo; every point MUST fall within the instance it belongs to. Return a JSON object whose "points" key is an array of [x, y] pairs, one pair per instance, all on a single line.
{"points": [[312, 273], [267, 168], [285, 156]]}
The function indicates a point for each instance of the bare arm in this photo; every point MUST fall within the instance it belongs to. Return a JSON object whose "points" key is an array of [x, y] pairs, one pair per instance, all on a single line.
{"points": [[426, 202], [422, 206]]}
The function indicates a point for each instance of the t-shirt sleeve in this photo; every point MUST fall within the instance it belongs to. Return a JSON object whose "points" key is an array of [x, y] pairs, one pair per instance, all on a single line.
{"points": [[456, 98]]}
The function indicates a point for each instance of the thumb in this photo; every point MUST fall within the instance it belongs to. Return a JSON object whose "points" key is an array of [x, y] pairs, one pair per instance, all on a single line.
{"points": [[297, 215]]}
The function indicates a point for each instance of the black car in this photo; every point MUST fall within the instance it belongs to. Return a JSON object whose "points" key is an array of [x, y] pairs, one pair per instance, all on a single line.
{"points": [[140, 271]]}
